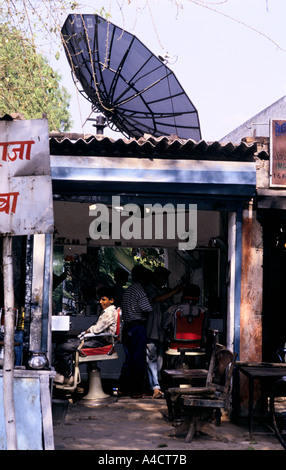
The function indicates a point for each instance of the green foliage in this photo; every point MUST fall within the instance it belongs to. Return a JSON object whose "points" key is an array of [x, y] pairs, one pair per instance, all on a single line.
{"points": [[108, 261], [28, 85], [151, 258]]}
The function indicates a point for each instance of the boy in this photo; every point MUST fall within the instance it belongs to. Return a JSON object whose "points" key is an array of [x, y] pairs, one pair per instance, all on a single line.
{"points": [[106, 323]]}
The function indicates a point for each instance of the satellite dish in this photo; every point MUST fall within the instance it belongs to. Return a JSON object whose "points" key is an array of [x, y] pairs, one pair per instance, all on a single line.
{"points": [[133, 88]]}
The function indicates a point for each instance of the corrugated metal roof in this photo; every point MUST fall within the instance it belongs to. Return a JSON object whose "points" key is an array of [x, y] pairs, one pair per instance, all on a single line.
{"points": [[149, 147]]}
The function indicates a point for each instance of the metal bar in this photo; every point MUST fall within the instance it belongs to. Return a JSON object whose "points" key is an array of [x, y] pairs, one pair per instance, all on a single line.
{"points": [[46, 293]]}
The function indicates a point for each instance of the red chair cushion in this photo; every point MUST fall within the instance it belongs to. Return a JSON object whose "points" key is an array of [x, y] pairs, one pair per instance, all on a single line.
{"points": [[97, 351], [178, 344]]}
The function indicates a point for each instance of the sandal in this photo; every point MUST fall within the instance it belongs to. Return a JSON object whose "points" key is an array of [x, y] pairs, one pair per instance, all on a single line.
{"points": [[157, 393]]}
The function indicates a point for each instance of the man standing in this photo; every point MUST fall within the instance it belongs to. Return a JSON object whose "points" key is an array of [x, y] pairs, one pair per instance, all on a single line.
{"points": [[160, 298], [120, 278], [135, 310]]}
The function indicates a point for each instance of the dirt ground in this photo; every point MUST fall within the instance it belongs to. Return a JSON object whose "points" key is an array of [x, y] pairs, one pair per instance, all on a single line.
{"points": [[126, 424]]}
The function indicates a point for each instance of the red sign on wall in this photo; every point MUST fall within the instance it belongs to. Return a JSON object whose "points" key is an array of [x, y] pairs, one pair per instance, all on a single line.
{"points": [[277, 152]]}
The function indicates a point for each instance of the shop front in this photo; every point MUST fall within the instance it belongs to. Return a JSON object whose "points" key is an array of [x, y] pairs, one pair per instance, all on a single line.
{"points": [[107, 192]]}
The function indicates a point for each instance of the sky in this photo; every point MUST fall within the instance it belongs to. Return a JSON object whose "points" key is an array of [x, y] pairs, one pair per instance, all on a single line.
{"points": [[231, 69]]}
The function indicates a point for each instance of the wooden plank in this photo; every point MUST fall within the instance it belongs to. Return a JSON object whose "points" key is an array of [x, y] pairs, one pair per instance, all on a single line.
{"points": [[260, 364], [203, 402], [189, 373], [193, 390]]}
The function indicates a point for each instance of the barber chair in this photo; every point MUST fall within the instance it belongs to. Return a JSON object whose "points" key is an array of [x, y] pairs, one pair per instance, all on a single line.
{"points": [[194, 408], [189, 339], [92, 356]]}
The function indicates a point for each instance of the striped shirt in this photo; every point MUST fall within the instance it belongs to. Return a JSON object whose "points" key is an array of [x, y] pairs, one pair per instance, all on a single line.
{"points": [[135, 303]]}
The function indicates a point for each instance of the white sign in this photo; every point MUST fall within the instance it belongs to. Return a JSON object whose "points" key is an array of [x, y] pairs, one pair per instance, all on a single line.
{"points": [[26, 200]]}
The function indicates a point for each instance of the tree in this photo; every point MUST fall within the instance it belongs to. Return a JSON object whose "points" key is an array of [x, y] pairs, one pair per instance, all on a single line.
{"points": [[28, 85]]}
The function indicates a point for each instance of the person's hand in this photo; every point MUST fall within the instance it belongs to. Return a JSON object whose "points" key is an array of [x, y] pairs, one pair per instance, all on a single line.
{"points": [[81, 335], [179, 288]]}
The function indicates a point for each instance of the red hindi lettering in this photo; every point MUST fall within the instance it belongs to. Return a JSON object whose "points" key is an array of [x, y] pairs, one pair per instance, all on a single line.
{"points": [[5, 200], [4, 152], [20, 149]]}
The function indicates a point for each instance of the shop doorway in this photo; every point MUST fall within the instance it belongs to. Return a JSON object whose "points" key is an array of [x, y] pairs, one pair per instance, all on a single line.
{"points": [[90, 263], [274, 282]]}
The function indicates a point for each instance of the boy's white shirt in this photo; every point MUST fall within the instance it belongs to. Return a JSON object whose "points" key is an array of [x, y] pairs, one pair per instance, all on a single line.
{"points": [[106, 323]]}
